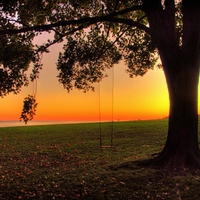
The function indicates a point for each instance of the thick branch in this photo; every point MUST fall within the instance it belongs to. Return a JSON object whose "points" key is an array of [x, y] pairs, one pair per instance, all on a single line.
{"points": [[76, 22], [191, 29], [170, 23], [109, 18], [129, 22]]}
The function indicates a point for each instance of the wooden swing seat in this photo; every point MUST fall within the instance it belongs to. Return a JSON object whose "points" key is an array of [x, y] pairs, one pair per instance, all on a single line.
{"points": [[104, 147]]}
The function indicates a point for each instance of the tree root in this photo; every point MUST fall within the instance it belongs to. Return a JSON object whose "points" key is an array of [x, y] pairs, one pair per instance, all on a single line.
{"points": [[177, 163]]}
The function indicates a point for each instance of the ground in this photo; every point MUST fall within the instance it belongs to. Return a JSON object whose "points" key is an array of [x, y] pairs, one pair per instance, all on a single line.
{"points": [[66, 162]]}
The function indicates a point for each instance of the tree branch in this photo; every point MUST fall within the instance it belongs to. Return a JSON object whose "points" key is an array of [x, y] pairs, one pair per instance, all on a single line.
{"points": [[45, 47], [104, 50], [130, 23], [110, 18]]}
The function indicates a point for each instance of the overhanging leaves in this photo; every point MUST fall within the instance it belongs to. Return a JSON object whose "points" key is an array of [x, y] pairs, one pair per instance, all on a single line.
{"points": [[29, 108], [85, 59]]}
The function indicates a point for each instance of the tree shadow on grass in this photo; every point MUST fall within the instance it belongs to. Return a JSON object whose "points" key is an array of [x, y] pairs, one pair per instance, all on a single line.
{"points": [[153, 164], [144, 182], [148, 163], [150, 182]]}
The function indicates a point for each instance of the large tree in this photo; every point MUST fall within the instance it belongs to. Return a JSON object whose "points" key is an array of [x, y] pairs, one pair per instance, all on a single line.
{"points": [[98, 34]]}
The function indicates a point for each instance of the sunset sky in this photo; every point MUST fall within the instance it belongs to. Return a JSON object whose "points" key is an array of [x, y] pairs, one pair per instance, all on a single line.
{"points": [[138, 98]]}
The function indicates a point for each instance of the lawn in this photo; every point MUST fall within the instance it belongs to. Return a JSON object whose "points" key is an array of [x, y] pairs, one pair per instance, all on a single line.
{"points": [[66, 162]]}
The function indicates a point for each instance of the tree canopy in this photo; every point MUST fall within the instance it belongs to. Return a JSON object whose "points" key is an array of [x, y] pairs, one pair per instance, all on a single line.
{"points": [[95, 34]]}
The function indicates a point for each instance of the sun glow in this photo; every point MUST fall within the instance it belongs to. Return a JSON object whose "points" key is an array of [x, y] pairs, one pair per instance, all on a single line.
{"points": [[128, 99], [131, 99]]}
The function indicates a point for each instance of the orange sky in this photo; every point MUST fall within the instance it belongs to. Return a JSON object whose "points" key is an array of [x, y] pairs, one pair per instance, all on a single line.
{"points": [[138, 98]]}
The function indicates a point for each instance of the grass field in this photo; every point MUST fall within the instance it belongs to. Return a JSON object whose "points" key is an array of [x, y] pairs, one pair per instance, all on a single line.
{"points": [[66, 162]]}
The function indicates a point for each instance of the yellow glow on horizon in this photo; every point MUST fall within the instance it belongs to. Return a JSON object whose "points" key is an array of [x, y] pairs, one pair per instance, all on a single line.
{"points": [[137, 98]]}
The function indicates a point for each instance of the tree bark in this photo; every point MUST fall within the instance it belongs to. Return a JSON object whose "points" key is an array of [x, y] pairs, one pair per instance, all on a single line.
{"points": [[181, 63], [181, 150], [181, 67]]}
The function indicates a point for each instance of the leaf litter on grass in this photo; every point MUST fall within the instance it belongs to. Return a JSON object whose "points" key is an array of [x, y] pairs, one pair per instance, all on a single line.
{"points": [[66, 162]]}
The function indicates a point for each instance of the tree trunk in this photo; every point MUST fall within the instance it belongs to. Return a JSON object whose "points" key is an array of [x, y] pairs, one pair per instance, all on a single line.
{"points": [[180, 56], [181, 150]]}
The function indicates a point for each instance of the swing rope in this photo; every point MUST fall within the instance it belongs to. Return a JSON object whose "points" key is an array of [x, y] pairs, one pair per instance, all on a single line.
{"points": [[112, 107], [112, 115], [35, 84]]}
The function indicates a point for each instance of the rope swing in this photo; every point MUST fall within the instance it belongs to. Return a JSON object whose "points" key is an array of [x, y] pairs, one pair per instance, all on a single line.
{"points": [[29, 103], [102, 146]]}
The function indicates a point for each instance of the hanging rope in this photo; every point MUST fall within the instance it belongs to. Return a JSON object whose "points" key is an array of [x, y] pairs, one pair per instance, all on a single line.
{"points": [[35, 86], [112, 126], [100, 127], [29, 103], [112, 114]]}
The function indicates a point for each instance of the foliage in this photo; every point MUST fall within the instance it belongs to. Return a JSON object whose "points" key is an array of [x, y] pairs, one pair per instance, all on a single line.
{"points": [[99, 33], [66, 162], [29, 109], [15, 57], [95, 36], [83, 62]]}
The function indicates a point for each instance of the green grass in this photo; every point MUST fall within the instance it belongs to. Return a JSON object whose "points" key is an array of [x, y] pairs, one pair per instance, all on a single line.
{"points": [[66, 162]]}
